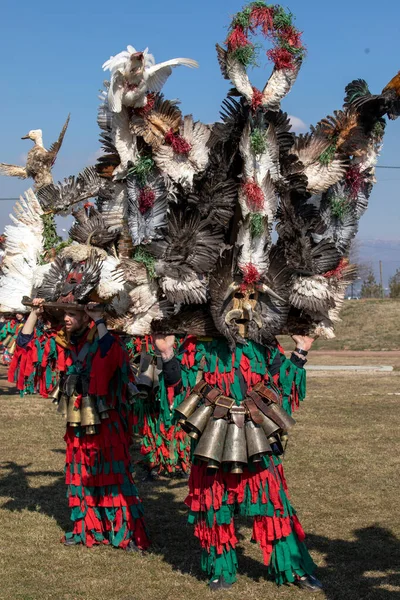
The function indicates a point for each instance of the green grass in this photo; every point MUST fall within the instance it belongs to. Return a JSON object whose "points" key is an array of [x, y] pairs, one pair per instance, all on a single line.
{"points": [[366, 325], [342, 467]]}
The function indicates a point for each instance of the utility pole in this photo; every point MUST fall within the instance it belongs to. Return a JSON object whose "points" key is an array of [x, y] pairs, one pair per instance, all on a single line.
{"points": [[381, 279]]}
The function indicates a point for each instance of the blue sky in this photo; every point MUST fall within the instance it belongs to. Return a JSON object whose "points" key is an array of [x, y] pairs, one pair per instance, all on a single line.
{"points": [[53, 51]]}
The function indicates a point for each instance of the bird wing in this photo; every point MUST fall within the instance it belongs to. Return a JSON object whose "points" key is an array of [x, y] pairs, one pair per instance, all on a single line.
{"points": [[22, 249], [157, 75], [55, 148], [62, 196], [115, 92], [321, 177], [13, 171], [279, 85], [147, 225], [235, 71]]}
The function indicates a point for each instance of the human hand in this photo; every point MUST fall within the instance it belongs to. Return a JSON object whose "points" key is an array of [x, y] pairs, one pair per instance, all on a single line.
{"points": [[37, 306], [164, 344], [94, 310], [304, 342]]}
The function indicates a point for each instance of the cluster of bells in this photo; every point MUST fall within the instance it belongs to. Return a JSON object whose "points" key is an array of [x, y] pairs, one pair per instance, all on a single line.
{"points": [[222, 441], [89, 414]]}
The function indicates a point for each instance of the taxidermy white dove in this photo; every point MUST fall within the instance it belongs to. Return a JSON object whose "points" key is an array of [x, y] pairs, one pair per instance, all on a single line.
{"points": [[135, 74], [39, 161]]}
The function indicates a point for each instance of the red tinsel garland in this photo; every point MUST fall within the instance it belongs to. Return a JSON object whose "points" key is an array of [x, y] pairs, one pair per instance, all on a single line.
{"points": [[237, 39], [262, 17], [281, 57], [257, 99], [144, 110], [354, 180], [250, 275], [338, 272], [254, 195], [146, 199], [178, 143]]}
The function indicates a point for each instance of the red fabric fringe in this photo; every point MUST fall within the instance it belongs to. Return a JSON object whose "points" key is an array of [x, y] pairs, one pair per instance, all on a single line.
{"points": [[282, 58], [256, 101], [262, 17]]}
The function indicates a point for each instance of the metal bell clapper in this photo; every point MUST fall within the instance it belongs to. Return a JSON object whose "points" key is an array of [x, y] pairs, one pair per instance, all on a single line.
{"points": [[211, 444], [257, 443], [197, 422], [89, 414], [235, 449]]}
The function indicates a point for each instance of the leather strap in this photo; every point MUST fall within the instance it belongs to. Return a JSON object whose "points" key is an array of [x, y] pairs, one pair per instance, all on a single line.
{"points": [[223, 404], [254, 412], [266, 392], [238, 414]]}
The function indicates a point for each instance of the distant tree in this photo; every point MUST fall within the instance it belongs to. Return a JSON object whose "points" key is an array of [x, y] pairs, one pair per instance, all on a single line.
{"points": [[394, 285], [369, 288]]}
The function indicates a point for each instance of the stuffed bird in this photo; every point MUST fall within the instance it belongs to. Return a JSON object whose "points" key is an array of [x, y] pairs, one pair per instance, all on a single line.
{"points": [[39, 162], [135, 74]]}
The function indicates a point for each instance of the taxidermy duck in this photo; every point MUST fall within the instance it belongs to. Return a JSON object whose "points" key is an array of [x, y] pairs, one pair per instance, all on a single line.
{"points": [[135, 74], [39, 161]]}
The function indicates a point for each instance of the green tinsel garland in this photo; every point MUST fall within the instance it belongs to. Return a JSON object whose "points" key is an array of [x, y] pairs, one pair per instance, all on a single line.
{"points": [[256, 224], [247, 56], [282, 19], [242, 19], [339, 207], [328, 155], [50, 237], [257, 141], [141, 255], [379, 128], [142, 169]]}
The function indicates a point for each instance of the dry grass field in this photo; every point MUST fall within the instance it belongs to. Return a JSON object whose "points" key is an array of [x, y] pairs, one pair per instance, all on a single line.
{"points": [[342, 466]]}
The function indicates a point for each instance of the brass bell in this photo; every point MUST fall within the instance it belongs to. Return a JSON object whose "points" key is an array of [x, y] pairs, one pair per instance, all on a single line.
{"points": [[90, 430], [235, 449], [276, 445], [11, 348], [257, 443], [55, 393], [188, 406], [89, 414], [284, 439], [63, 405], [268, 425], [211, 443], [283, 419], [145, 377], [73, 414], [102, 409], [197, 422]]}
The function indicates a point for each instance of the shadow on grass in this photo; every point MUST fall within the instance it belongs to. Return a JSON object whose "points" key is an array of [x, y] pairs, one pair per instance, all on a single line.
{"points": [[354, 569], [46, 499], [357, 569]]}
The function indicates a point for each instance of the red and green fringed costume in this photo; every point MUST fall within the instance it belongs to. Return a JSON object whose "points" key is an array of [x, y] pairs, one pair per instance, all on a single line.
{"points": [[164, 445], [260, 491], [34, 367], [104, 501], [8, 336]]}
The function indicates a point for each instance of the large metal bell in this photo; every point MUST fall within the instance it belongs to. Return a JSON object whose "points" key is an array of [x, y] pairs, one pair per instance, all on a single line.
{"points": [[211, 443], [197, 422], [268, 425], [257, 443], [145, 378], [62, 407], [89, 414], [73, 414], [188, 406], [235, 449]]}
